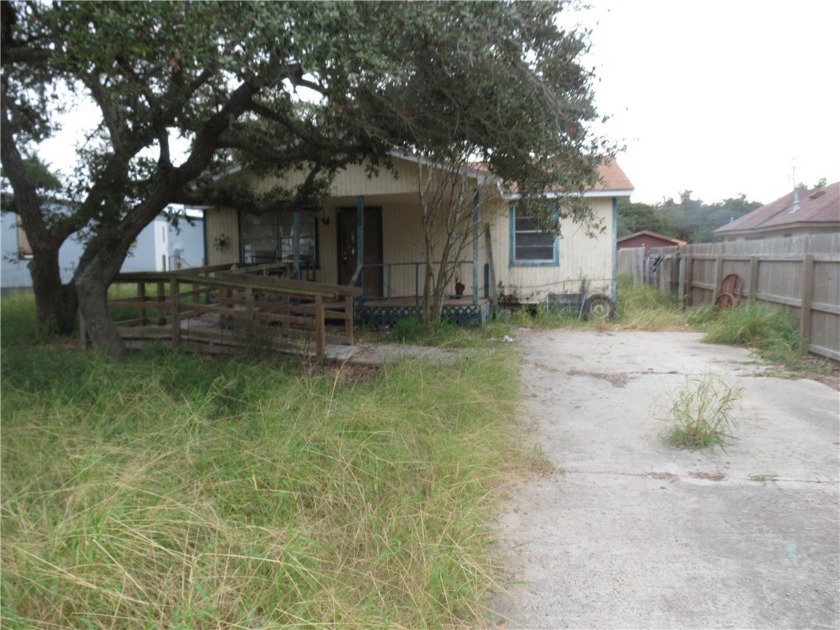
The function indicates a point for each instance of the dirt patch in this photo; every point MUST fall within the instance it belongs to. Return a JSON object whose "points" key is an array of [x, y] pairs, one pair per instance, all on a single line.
{"points": [[716, 476], [663, 475], [617, 379], [352, 374]]}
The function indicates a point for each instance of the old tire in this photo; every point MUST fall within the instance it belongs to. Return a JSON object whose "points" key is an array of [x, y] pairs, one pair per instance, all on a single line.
{"points": [[598, 308]]}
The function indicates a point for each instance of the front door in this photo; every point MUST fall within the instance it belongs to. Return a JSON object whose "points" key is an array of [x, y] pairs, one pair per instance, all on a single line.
{"points": [[371, 282]]}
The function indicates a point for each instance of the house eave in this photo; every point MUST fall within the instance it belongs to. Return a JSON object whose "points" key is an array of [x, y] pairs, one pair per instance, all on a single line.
{"points": [[589, 194], [802, 225]]}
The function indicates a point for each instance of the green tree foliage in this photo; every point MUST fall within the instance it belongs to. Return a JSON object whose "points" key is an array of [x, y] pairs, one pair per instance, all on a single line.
{"points": [[689, 219], [497, 80], [638, 217]]}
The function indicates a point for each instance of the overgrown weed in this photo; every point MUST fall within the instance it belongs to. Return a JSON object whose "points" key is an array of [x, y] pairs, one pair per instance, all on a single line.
{"points": [[702, 413], [180, 491], [770, 331]]}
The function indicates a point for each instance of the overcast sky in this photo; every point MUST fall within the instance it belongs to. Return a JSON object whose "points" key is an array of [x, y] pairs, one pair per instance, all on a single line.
{"points": [[719, 97]]}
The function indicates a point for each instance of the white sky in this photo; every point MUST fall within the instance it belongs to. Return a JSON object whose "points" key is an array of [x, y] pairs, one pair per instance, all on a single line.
{"points": [[719, 97]]}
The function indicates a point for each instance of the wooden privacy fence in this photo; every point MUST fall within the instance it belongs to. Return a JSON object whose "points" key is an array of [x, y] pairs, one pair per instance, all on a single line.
{"points": [[799, 274], [215, 309]]}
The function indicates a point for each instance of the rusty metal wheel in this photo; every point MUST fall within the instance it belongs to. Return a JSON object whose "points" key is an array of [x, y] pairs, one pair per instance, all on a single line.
{"points": [[725, 300]]}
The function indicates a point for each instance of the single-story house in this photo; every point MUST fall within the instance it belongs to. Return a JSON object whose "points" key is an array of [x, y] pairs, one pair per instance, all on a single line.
{"points": [[647, 240], [815, 211], [369, 231], [159, 247]]}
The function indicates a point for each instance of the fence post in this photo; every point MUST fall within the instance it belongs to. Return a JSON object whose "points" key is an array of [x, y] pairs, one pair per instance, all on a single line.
{"points": [[752, 282], [249, 304], [807, 298], [319, 327], [689, 280], [718, 276], [141, 296], [161, 299], [681, 281], [175, 296]]}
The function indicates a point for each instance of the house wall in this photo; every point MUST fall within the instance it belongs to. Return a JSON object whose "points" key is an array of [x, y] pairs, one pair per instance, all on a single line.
{"points": [[580, 257], [222, 222], [144, 256], [351, 181]]}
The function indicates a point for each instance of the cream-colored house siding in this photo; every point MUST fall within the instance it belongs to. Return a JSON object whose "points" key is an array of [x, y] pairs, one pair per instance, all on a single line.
{"points": [[222, 222], [351, 181], [580, 257]]}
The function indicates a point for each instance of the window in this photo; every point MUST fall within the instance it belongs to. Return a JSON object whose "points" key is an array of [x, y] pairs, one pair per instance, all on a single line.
{"points": [[268, 238], [531, 242]]}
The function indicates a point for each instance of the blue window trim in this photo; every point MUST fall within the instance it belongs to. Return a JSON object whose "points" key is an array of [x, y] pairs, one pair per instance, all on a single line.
{"points": [[529, 263]]}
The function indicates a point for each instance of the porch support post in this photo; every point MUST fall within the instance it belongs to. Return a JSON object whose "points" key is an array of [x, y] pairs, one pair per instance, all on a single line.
{"points": [[360, 238], [296, 244], [475, 221], [613, 239]]}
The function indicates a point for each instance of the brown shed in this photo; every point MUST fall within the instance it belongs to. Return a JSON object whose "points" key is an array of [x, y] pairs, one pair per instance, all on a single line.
{"points": [[647, 240]]}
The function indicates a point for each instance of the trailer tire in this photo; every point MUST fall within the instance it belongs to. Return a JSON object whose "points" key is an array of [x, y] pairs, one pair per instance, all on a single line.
{"points": [[598, 308]]}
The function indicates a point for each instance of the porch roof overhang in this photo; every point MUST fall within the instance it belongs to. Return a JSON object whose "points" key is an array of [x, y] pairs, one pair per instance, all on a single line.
{"points": [[589, 194]]}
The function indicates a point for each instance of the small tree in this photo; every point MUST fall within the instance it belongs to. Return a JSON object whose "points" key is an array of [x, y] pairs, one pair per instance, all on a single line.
{"points": [[450, 195]]}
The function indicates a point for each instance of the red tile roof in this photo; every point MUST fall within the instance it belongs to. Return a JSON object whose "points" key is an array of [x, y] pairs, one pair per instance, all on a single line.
{"points": [[819, 205], [612, 177]]}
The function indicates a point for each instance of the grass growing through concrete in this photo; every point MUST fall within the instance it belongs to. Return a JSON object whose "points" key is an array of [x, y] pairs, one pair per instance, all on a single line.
{"points": [[702, 414], [183, 492]]}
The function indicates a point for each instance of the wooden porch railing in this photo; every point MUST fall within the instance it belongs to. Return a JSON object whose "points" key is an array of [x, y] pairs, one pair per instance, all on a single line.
{"points": [[219, 309]]}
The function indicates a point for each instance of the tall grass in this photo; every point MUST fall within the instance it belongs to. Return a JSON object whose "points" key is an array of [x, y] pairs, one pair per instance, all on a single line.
{"points": [[182, 492], [770, 331], [642, 307]]}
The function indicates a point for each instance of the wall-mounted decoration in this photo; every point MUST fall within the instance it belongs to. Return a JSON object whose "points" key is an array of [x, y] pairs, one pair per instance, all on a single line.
{"points": [[221, 243]]}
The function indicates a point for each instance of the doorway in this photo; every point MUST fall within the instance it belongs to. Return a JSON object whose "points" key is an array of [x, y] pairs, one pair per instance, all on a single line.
{"points": [[371, 282]]}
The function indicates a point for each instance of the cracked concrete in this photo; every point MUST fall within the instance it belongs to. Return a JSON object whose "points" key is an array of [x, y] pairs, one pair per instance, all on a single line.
{"points": [[629, 532]]}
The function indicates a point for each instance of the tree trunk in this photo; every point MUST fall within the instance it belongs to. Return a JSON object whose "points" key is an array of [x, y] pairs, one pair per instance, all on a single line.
{"points": [[428, 293], [55, 303], [93, 305]]}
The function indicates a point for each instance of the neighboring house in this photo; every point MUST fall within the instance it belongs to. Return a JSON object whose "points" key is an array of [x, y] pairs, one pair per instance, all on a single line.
{"points": [[159, 247], [647, 240], [815, 211], [374, 224]]}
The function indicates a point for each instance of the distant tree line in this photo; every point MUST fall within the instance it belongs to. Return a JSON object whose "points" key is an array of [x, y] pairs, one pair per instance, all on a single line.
{"points": [[688, 219]]}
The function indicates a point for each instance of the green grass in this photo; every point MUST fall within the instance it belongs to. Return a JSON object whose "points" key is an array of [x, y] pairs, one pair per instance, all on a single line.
{"points": [[183, 492], [702, 414], [770, 331], [645, 308]]}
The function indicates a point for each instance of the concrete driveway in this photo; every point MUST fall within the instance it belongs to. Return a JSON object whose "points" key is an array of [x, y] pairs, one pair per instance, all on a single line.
{"points": [[628, 532]]}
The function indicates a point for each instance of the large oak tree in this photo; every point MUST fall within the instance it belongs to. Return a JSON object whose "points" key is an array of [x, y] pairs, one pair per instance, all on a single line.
{"points": [[499, 80]]}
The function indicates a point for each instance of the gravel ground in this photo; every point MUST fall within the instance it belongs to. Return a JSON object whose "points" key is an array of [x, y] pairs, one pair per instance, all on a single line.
{"points": [[628, 532]]}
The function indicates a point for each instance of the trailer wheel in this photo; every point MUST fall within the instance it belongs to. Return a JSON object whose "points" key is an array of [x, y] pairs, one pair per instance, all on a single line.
{"points": [[598, 308]]}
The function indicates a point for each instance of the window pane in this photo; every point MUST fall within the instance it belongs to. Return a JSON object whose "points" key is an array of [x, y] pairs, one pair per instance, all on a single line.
{"points": [[270, 238], [259, 238], [530, 242], [535, 253], [534, 239]]}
